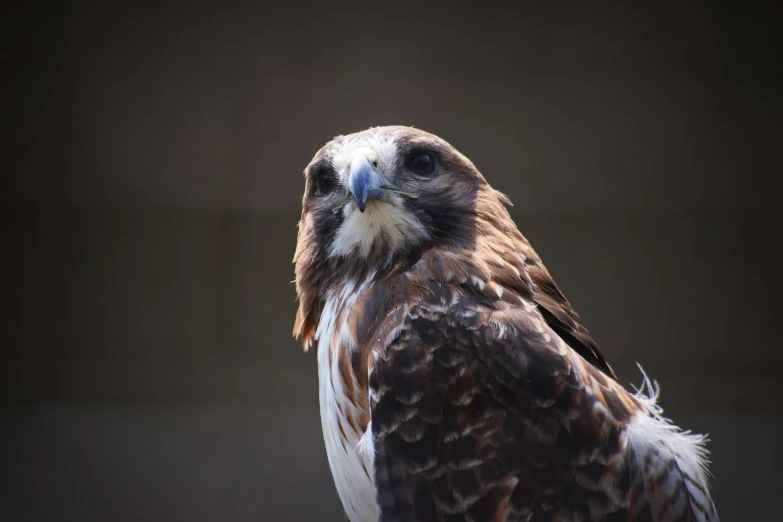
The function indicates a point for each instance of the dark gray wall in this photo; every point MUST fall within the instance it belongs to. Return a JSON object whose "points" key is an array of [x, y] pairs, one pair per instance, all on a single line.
{"points": [[154, 175]]}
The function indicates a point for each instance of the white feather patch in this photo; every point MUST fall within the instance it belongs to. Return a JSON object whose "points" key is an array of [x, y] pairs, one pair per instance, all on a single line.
{"points": [[656, 435], [381, 221], [376, 141], [347, 462], [366, 445], [658, 430]]}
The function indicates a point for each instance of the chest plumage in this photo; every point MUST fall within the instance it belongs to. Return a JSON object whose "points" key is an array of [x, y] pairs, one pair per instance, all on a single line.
{"points": [[344, 413]]}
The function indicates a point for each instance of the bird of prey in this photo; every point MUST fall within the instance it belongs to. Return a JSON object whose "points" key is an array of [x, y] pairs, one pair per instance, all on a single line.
{"points": [[457, 383]]}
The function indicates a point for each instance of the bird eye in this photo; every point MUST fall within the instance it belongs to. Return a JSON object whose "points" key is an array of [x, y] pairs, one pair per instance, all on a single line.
{"points": [[324, 182], [421, 162]]}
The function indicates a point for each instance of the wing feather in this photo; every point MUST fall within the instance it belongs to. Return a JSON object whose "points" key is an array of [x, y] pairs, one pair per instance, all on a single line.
{"points": [[484, 414]]}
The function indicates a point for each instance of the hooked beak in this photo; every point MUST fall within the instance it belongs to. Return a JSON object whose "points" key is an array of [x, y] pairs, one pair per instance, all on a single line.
{"points": [[364, 182]]}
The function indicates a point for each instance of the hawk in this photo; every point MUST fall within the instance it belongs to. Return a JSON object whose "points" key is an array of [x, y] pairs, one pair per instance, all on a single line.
{"points": [[457, 383]]}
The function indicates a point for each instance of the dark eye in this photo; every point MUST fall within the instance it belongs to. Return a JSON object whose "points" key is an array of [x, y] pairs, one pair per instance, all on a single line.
{"points": [[324, 182], [421, 162]]}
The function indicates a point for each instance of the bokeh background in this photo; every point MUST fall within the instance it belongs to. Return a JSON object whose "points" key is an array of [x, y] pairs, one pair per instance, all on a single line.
{"points": [[153, 180]]}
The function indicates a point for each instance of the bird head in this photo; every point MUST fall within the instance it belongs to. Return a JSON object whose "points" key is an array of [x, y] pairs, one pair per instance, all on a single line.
{"points": [[387, 191], [377, 200]]}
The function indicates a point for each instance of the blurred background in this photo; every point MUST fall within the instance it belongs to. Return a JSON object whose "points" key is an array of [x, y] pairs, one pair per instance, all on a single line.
{"points": [[153, 184]]}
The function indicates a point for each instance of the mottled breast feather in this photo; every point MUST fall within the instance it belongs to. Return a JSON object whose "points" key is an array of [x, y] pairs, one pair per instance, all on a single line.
{"points": [[480, 412]]}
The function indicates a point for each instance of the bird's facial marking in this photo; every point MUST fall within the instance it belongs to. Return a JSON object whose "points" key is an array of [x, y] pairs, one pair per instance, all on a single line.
{"points": [[372, 207], [386, 192], [388, 223], [378, 148], [325, 180]]}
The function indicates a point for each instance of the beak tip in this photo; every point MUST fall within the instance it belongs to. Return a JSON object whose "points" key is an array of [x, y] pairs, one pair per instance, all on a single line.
{"points": [[360, 202]]}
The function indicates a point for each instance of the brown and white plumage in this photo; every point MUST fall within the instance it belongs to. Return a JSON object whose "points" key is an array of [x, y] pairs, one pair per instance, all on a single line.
{"points": [[456, 381]]}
